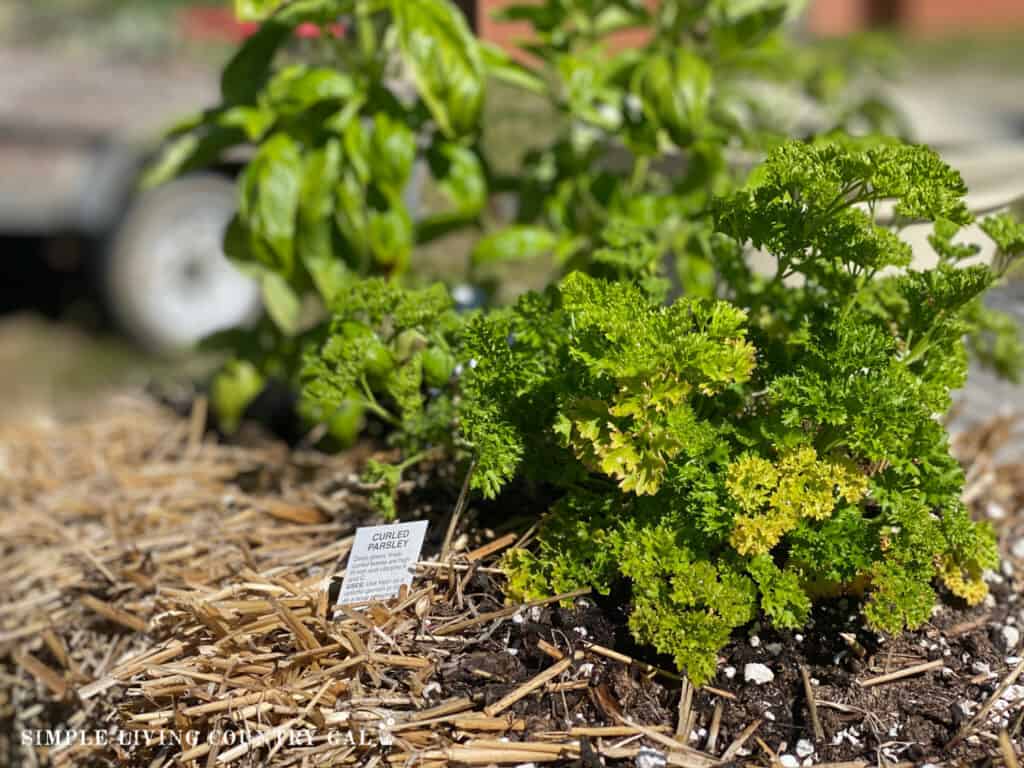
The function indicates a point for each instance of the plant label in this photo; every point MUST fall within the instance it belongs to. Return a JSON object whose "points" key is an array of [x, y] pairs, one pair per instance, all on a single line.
{"points": [[381, 561]]}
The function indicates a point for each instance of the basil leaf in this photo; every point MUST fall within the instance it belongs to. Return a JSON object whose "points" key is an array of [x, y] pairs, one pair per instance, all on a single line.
{"points": [[676, 93], [291, 12], [297, 88], [254, 122], [314, 238], [392, 151], [502, 67], [743, 23], [357, 149], [350, 213], [460, 176], [249, 69], [270, 197], [445, 61], [255, 10], [390, 235], [282, 304], [517, 243], [189, 152]]}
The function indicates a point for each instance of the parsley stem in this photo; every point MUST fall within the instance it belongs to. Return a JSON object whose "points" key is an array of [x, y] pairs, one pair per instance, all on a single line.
{"points": [[371, 403], [416, 458], [919, 349], [636, 181]]}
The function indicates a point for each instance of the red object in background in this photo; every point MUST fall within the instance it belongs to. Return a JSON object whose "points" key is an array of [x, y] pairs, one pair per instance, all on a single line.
{"points": [[207, 24], [942, 16], [510, 35], [824, 17], [213, 24], [840, 17], [307, 30]]}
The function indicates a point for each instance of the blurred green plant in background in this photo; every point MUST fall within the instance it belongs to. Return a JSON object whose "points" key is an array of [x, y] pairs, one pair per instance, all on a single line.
{"points": [[353, 131]]}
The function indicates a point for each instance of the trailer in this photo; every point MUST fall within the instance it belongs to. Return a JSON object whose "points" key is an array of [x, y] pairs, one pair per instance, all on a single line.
{"points": [[75, 135]]}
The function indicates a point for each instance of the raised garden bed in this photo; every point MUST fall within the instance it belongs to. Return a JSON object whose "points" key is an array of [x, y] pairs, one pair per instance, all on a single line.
{"points": [[158, 581]]}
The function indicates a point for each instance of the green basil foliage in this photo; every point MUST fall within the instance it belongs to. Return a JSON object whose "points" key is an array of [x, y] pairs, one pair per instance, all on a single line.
{"points": [[339, 133], [652, 133], [337, 136]]}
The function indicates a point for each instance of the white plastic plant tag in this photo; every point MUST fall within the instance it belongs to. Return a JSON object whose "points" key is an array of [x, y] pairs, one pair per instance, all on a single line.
{"points": [[381, 561]]}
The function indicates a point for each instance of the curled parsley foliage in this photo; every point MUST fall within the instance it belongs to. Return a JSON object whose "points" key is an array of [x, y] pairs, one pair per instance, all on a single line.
{"points": [[620, 402], [388, 353], [726, 458]]}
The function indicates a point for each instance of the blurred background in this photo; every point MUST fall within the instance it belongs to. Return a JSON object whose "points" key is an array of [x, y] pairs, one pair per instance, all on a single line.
{"points": [[99, 282]]}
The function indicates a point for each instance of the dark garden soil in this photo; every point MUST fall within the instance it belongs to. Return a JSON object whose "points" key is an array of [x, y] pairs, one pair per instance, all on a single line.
{"points": [[160, 582]]}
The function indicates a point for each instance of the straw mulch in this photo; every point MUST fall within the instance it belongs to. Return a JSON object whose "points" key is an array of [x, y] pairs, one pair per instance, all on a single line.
{"points": [[165, 601], [994, 489]]}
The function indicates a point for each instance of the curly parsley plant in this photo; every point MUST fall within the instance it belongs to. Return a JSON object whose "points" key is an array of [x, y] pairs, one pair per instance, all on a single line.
{"points": [[723, 459]]}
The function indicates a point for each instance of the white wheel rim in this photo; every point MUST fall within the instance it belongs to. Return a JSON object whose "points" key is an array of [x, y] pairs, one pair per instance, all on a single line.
{"points": [[186, 288]]}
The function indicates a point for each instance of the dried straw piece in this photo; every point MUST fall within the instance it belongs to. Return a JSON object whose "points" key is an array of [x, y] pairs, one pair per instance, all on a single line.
{"points": [[530, 686], [460, 704], [916, 669], [542, 747], [113, 614], [982, 713], [547, 648], [812, 704], [485, 618], [733, 749], [486, 755], [485, 723], [292, 513], [490, 548], [1006, 748], [719, 693], [694, 757], [610, 731], [685, 705], [621, 657], [44, 674], [716, 724]]}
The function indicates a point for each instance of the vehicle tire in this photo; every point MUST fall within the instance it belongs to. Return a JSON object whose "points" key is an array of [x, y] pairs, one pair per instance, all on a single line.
{"points": [[165, 278]]}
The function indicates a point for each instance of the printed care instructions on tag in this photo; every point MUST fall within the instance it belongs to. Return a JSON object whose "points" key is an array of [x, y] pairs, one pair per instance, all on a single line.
{"points": [[381, 561]]}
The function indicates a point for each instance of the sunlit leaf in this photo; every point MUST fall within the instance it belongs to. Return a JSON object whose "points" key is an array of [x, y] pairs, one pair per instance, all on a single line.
{"points": [[517, 243], [445, 61]]}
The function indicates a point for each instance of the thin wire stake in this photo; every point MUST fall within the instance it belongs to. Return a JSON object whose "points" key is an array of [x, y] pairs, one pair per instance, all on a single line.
{"points": [[460, 505]]}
